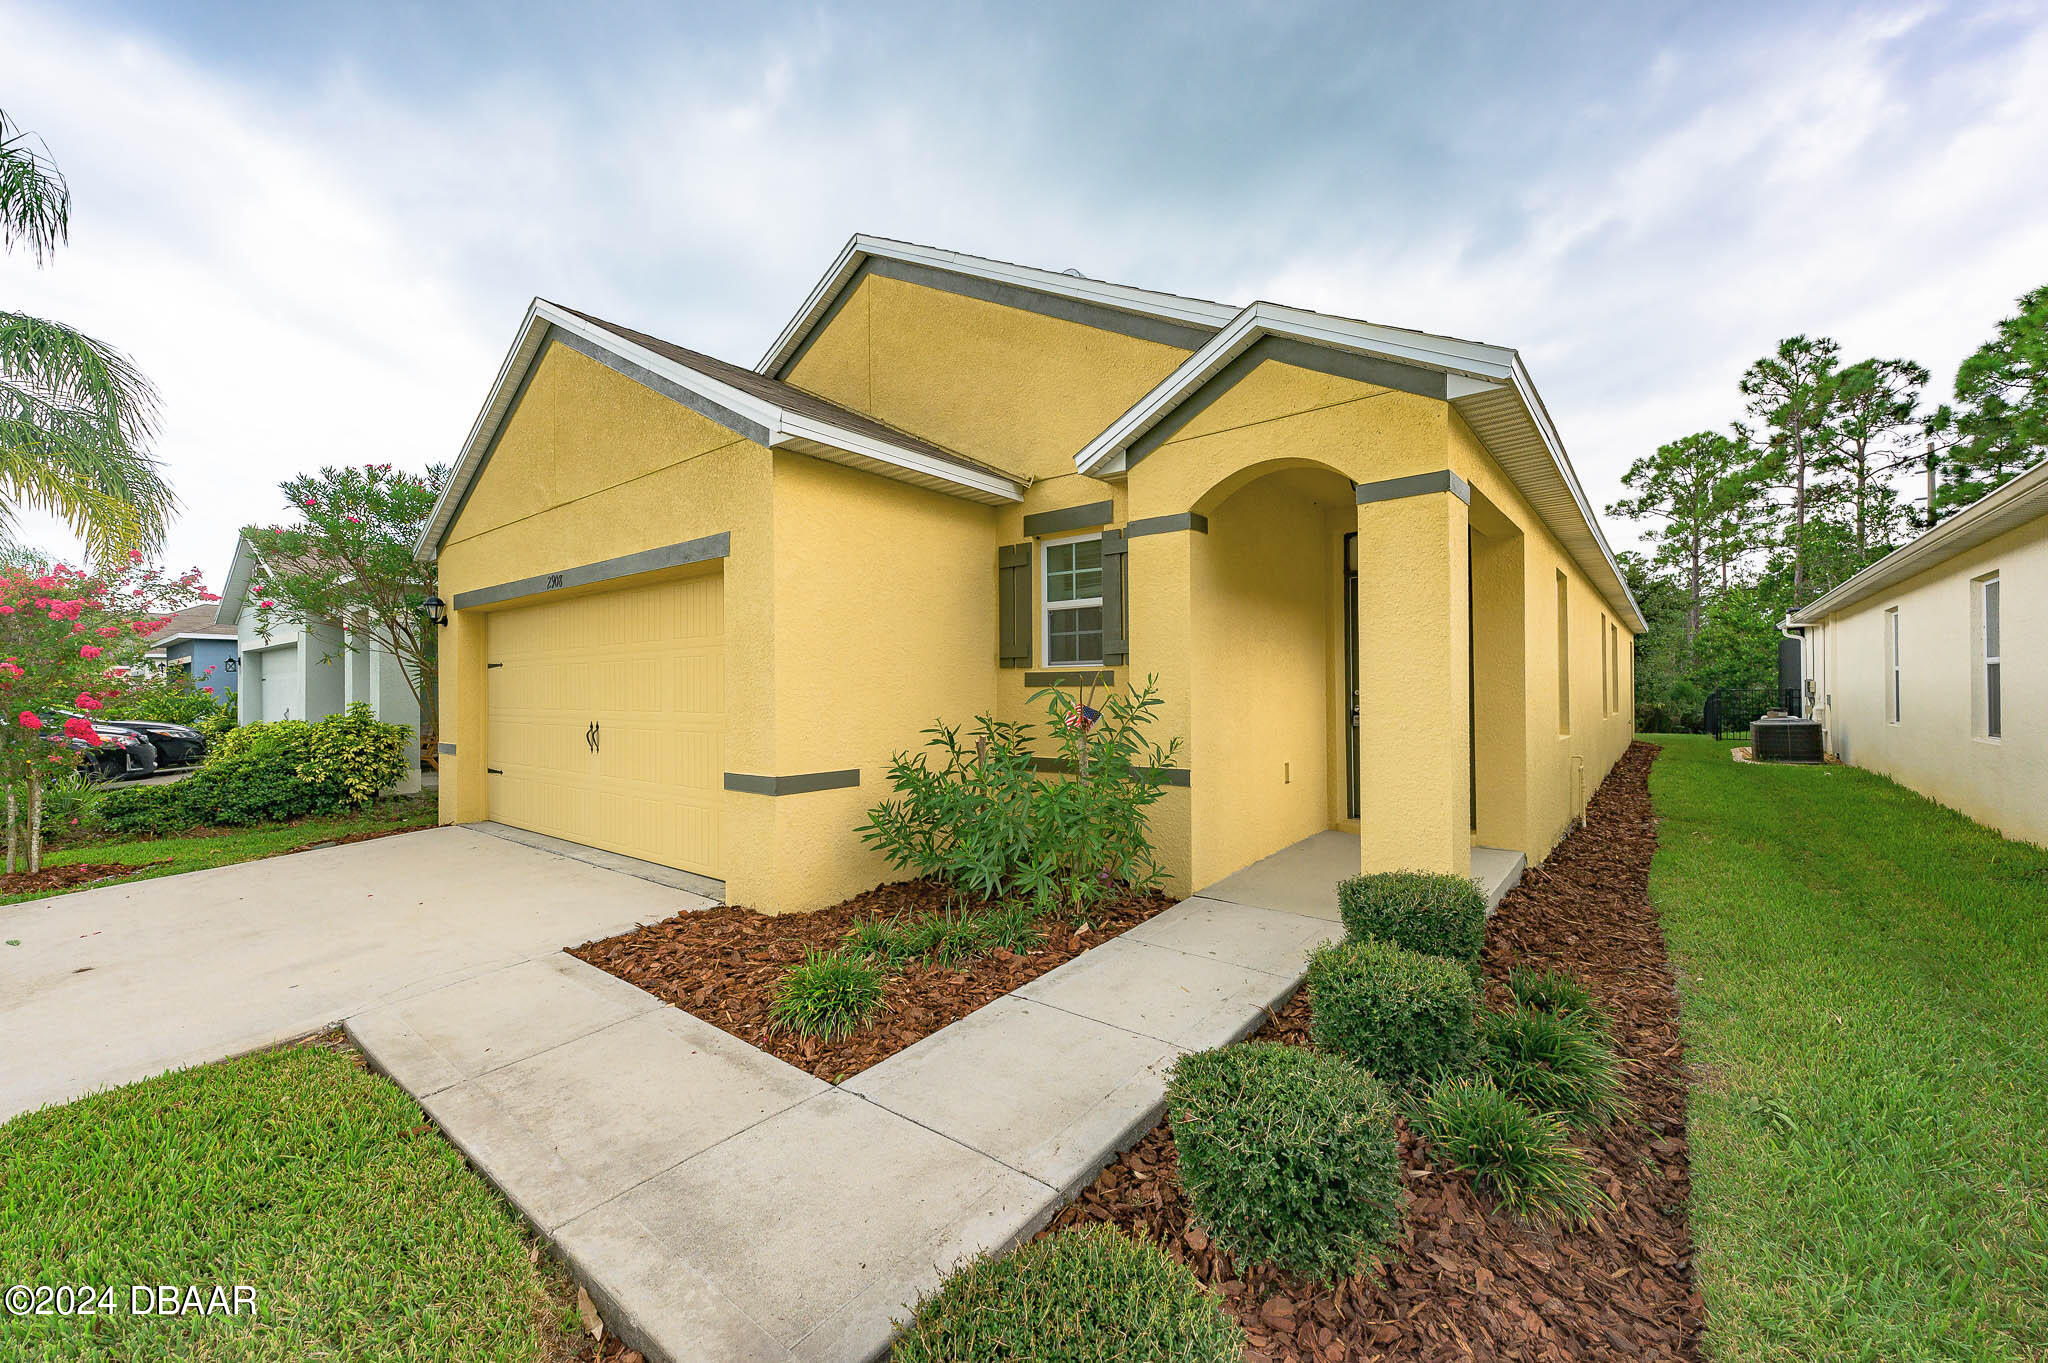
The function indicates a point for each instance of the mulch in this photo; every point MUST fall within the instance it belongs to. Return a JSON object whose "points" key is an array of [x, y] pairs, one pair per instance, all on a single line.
{"points": [[72, 876], [1467, 1282], [726, 966]]}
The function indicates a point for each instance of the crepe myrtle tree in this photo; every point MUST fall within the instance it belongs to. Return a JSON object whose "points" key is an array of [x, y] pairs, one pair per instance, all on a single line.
{"points": [[348, 560], [70, 639]]}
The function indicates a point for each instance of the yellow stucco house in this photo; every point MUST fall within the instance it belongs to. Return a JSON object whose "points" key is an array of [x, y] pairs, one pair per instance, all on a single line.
{"points": [[695, 607]]}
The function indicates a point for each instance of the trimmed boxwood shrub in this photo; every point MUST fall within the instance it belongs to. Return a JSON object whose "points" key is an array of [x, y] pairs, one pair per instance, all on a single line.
{"points": [[1398, 1013], [1288, 1157], [1560, 1064], [1078, 1296], [1437, 915], [1525, 1159]]}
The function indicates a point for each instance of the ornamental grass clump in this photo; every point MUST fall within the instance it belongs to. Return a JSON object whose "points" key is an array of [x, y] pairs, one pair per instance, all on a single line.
{"points": [[1288, 1157], [1437, 915], [1554, 991], [1525, 1159], [829, 996], [1558, 1064], [1400, 1014], [1079, 1296]]}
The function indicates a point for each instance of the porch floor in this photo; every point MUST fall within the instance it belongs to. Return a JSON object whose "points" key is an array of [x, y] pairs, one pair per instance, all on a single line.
{"points": [[1303, 878]]}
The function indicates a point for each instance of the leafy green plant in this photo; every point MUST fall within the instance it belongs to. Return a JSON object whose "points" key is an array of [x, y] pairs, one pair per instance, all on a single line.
{"points": [[72, 804], [1288, 1157], [829, 996], [945, 939], [1524, 1158], [1554, 991], [975, 811], [1402, 1015], [1078, 1296], [357, 754], [1557, 1064], [1438, 915]]}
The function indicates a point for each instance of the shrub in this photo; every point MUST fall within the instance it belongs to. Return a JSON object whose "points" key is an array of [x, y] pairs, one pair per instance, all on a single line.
{"points": [[1553, 991], [265, 773], [1437, 915], [1078, 1296], [72, 805], [1524, 1158], [829, 996], [1560, 1065], [1288, 1157], [1398, 1013], [944, 939], [976, 813]]}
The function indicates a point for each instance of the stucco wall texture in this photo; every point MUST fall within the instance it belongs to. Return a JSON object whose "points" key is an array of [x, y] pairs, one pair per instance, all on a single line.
{"points": [[1938, 745], [860, 610]]}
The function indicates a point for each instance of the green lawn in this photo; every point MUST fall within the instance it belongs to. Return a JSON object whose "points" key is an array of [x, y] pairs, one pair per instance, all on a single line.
{"points": [[295, 1172], [1864, 977], [196, 853]]}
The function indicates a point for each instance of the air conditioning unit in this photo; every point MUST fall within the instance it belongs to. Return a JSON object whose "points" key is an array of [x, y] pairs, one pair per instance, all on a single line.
{"points": [[1779, 737]]}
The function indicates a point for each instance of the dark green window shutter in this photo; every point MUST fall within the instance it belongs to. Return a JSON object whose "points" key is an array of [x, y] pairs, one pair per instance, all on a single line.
{"points": [[1013, 603], [1116, 643]]}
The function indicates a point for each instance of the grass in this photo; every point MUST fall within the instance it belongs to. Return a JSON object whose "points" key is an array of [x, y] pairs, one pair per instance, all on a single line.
{"points": [[198, 851], [294, 1171], [1865, 985]]}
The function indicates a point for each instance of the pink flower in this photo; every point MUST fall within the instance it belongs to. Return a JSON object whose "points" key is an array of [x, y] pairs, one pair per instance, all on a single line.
{"points": [[135, 556], [266, 603], [87, 701], [82, 730], [207, 689], [107, 631], [311, 502], [89, 652], [6, 610], [29, 719]]}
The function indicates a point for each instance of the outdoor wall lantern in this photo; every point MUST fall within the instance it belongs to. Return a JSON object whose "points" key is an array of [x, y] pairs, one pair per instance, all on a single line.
{"points": [[436, 609]]}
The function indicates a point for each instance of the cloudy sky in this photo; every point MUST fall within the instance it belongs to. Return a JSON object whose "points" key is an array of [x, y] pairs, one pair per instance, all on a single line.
{"points": [[317, 231]]}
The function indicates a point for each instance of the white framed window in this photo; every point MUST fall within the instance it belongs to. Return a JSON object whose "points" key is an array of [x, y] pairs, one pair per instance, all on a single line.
{"points": [[1071, 592], [1894, 690], [1990, 691]]}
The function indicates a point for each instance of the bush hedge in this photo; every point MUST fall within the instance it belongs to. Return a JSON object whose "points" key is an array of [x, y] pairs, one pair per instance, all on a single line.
{"points": [[1525, 1159], [264, 773], [1437, 915], [1288, 1157], [1556, 1063], [1078, 1296], [1398, 1013]]}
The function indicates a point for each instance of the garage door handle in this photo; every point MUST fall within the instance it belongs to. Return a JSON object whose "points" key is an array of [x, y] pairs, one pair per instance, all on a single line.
{"points": [[590, 736]]}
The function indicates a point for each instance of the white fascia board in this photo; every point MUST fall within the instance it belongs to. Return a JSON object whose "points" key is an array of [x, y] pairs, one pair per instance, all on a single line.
{"points": [[233, 591], [517, 358], [189, 634], [790, 427], [1122, 297], [1467, 360]]}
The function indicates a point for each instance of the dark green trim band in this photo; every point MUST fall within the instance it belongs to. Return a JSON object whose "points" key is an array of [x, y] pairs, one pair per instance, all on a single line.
{"points": [[1405, 378], [626, 565], [1415, 485], [801, 784], [1172, 776], [1167, 525], [1104, 678], [445, 749], [1069, 518]]}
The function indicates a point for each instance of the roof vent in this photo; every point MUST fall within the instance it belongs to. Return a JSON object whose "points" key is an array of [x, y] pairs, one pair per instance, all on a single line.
{"points": [[1074, 272]]}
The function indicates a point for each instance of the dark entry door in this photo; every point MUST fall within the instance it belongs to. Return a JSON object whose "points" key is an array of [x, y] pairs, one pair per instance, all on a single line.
{"points": [[1351, 674]]}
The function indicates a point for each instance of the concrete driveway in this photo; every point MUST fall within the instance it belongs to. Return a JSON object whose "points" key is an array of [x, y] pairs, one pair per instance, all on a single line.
{"points": [[116, 984]]}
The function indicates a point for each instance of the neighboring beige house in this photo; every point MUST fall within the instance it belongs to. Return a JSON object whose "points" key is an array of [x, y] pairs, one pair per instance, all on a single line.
{"points": [[1931, 665]]}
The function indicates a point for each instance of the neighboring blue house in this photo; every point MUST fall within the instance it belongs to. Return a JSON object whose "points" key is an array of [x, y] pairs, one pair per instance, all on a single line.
{"points": [[193, 642]]}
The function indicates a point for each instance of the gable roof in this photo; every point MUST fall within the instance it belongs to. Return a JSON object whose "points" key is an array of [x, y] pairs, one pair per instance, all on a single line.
{"points": [[2023, 499], [765, 410], [193, 622], [1486, 384]]}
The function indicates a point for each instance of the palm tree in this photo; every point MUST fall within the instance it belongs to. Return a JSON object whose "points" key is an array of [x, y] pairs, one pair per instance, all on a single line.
{"points": [[76, 415]]}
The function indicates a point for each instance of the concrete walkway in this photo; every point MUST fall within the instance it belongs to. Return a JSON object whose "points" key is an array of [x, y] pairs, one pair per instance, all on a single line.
{"points": [[123, 982], [1303, 878], [724, 1206]]}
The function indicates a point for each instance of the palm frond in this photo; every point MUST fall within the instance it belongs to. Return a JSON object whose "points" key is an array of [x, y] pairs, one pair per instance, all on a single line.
{"points": [[35, 203], [76, 419]]}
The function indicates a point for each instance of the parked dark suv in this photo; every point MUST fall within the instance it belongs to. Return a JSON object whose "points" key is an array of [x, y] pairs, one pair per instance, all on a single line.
{"points": [[176, 745], [117, 754]]}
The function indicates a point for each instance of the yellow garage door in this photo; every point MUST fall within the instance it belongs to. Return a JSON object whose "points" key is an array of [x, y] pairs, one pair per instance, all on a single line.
{"points": [[607, 719]]}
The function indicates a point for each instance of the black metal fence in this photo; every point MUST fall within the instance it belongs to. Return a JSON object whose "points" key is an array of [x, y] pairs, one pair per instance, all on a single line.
{"points": [[1732, 709]]}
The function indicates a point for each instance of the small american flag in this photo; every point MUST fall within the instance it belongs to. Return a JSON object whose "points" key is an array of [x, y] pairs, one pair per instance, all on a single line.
{"points": [[1083, 718]]}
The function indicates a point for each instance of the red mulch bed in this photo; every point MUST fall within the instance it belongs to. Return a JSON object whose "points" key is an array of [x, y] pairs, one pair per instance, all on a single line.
{"points": [[727, 964], [72, 876], [1467, 1282]]}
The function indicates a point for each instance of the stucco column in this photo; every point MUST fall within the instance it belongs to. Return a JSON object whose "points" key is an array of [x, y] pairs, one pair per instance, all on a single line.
{"points": [[1414, 711], [1161, 631], [464, 704]]}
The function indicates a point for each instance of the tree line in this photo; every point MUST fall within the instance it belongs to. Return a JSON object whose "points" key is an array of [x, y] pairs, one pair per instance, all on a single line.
{"points": [[1830, 467]]}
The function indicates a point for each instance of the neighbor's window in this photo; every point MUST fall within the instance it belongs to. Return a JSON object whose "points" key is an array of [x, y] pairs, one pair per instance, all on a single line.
{"points": [[1894, 696], [1991, 700], [1073, 601]]}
